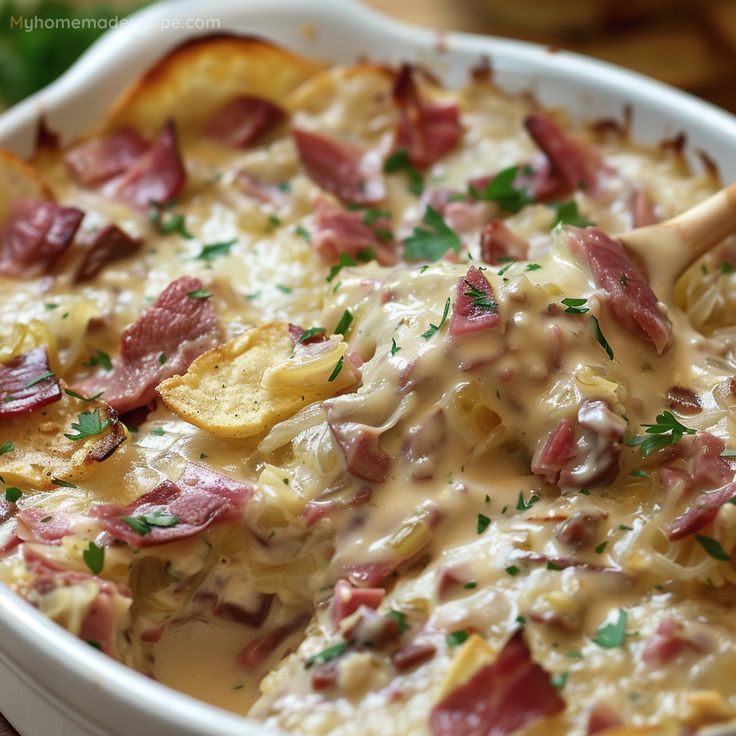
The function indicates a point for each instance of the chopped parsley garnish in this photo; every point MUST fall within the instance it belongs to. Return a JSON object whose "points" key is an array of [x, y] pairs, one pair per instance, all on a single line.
{"points": [[507, 267], [284, 186], [729, 454], [623, 279], [158, 431], [344, 324], [458, 637], [483, 523], [89, 424], [574, 654], [100, 359], [400, 619], [274, 221], [566, 213], [50, 306], [624, 528], [600, 337], [199, 294], [666, 431], [725, 267], [433, 329], [532, 267], [95, 644], [7, 447], [253, 296], [513, 570], [502, 191], [336, 370], [141, 524], [394, 347], [162, 359], [612, 635], [310, 333], [574, 305], [173, 223], [215, 250], [46, 519], [303, 234], [601, 548], [638, 473], [13, 494], [553, 565], [522, 505], [431, 243], [42, 377], [713, 547], [520, 619], [327, 655], [559, 681], [470, 585], [373, 215], [62, 483], [480, 299], [75, 395], [399, 161], [344, 259], [94, 558], [284, 289]]}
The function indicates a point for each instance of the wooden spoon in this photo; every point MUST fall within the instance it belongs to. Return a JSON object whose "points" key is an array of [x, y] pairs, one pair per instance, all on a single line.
{"points": [[668, 248]]}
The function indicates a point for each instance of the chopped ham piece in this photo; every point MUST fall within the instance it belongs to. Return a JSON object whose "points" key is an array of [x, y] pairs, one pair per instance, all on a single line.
{"points": [[412, 656], [336, 231], [696, 463], [630, 298], [475, 308], [347, 599], [704, 509], [244, 120], [35, 236], [20, 390], [200, 498], [601, 717], [498, 241], [250, 615], [177, 326], [684, 401], [427, 131], [260, 649], [579, 165], [668, 643], [372, 629], [100, 159], [107, 245], [499, 698], [156, 177], [41, 526], [296, 332], [346, 171], [554, 452], [364, 457], [368, 574], [579, 530]]}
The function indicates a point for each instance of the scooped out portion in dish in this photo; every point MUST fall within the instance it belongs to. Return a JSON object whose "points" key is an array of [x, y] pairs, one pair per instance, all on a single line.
{"points": [[329, 397]]}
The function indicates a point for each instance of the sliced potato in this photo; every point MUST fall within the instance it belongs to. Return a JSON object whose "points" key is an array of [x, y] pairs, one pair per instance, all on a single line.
{"points": [[198, 77], [19, 180], [42, 454], [245, 386]]}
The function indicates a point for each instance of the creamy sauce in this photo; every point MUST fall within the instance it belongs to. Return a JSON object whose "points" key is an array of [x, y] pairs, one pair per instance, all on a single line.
{"points": [[498, 393]]}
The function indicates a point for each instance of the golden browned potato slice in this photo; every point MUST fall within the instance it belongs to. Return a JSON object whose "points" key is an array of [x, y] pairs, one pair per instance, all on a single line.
{"points": [[197, 78], [42, 453], [18, 180], [245, 386]]}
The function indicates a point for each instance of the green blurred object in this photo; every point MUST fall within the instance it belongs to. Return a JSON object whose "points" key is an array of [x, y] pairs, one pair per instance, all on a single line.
{"points": [[30, 59]]}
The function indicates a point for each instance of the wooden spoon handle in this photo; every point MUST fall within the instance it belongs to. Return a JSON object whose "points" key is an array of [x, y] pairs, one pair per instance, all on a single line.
{"points": [[668, 248]]}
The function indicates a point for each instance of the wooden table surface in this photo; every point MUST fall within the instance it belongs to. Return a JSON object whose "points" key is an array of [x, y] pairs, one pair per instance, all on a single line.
{"points": [[694, 48]]}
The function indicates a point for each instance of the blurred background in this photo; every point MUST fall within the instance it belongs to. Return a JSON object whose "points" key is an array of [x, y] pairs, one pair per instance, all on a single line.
{"points": [[688, 43]]}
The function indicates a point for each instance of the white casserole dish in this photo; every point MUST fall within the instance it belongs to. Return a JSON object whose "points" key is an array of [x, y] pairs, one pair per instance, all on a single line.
{"points": [[51, 684]]}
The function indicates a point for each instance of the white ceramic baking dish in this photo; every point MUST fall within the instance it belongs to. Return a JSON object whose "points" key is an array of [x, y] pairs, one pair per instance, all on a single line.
{"points": [[51, 684]]}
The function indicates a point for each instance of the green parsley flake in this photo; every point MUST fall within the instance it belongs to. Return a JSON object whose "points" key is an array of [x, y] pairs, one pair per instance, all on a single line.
{"points": [[623, 279], [483, 523], [400, 619], [75, 395], [284, 289], [89, 424], [559, 681], [713, 547], [344, 324], [344, 259], [667, 430], [50, 305], [522, 505], [310, 333], [532, 267], [470, 585], [638, 473], [42, 377], [601, 548], [432, 243], [725, 267], [399, 161], [162, 359], [158, 431], [456, 638], [502, 191], [199, 294], [62, 483], [575, 305], [173, 223], [100, 359], [7, 447], [503, 270], [513, 570], [94, 558], [13, 494], [141, 524], [612, 635], [480, 299], [433, 329], [336, 370], [566, 213], [327, 655], [303, 234], [394, 347], [274, 221], [600, 338], [215, 250]]}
